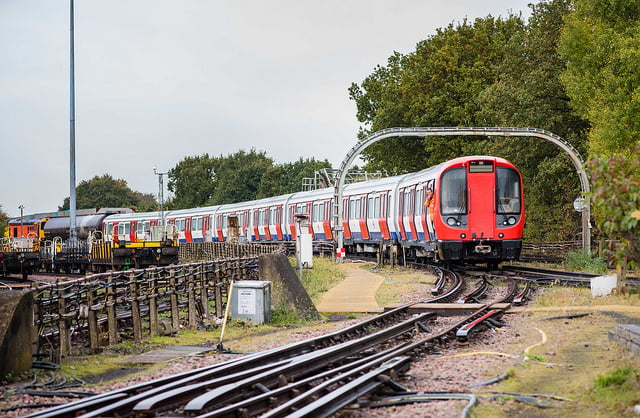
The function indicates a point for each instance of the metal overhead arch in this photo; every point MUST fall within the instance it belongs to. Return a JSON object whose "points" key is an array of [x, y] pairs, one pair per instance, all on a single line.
{"points": [[576, 159]]}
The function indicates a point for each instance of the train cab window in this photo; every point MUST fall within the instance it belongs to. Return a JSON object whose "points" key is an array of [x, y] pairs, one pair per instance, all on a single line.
{"points": [[453, 192], [508, 190]]}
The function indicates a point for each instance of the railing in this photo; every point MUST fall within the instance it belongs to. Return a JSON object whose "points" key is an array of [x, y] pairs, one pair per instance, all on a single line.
{"points": [[82, 315], [549, 251], [222, 250]]}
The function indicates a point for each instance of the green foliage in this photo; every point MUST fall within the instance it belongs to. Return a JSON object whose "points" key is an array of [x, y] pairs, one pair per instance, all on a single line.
{"points": [[615, 201], [601, 45], [106, 192], [284, 317], [4, 222], [242, 176], [437, 85], [192, 181], [238, 177], [492, 72], [323, 276], [535, 357], [287, 178], [585, 262], [618, 377]]}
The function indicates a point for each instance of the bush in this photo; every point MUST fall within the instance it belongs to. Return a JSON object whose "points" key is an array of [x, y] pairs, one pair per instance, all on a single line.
{"points": [[584, 261]]}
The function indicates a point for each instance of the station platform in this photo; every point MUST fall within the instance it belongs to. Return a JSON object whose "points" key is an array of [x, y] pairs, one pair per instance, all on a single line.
{"points": [[356, 293]]}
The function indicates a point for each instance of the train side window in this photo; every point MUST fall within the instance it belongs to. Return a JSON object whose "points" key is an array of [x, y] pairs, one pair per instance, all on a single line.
{"points": [[507, 190], [453, 192]]}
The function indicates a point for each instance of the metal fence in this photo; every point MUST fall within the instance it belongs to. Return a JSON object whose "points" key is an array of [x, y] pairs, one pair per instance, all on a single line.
{"points": [[82, 315]]}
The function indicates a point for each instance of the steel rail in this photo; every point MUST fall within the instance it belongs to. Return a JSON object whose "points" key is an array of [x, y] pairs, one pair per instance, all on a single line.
{"points": [[299, 368], [333, 400], [477, 293], [262, 403], [125, 395]]}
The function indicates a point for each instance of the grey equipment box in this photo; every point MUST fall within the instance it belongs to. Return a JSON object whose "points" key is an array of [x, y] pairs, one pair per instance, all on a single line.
{"points": [[251, 299]]}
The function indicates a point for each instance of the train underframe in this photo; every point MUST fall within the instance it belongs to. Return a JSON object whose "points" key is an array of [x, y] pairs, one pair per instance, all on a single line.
{"points": [[110, 256], [19, 262], [463, 252]]}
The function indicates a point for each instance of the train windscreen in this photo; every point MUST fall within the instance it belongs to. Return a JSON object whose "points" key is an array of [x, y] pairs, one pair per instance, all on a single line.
{"points": [[508, 190], [453, 195]]}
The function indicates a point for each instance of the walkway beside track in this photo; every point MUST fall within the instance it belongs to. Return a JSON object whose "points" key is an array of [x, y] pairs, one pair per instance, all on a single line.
{"points": [[356, 293]]}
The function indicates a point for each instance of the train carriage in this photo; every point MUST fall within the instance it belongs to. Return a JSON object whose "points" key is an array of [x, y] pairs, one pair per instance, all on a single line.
{"points": [[469, 209]]}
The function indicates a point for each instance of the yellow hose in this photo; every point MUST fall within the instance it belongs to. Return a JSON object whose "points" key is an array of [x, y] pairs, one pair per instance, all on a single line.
{"points": [[543, 342]]}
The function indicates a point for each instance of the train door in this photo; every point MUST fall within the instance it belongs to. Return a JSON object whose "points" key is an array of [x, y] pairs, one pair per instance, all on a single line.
{"points": [[278, 222], [377, 216], [206, 228], [425, 205], [196, 229], [263, 224], [123, 231], [133, 232], [362, 218], [373, 216], [218, 228], [345, 218], [402, 210], [481, 186], [411, 214], [291, 224], [355, 209], [107, 231]]}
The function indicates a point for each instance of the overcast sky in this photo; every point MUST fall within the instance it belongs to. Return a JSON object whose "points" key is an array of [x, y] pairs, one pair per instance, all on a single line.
{"points": [[159, 80]]}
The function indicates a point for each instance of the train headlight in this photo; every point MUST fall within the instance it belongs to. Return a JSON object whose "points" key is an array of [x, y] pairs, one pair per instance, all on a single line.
{"points": [[500, 235], [451, 221], [512, 220], [463, 235]]}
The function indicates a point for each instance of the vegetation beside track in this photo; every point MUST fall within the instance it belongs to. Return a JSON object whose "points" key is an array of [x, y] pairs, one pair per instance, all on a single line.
{"points": [[583, 372]]}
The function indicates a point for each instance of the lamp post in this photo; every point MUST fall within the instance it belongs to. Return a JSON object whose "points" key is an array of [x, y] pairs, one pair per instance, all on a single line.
{"points": [[21, 207], [160, 193]]}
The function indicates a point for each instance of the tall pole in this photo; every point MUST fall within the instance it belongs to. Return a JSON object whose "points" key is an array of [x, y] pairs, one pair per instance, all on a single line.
{"points": [[72, 140], [160, 193], [21, 207]]}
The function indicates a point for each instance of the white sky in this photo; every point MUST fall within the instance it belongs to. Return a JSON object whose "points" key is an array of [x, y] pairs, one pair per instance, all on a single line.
{"points": [[159, 80]]}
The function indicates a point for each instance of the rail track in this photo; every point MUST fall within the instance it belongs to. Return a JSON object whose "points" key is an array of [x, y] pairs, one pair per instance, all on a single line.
{"points": [[315, 377]]}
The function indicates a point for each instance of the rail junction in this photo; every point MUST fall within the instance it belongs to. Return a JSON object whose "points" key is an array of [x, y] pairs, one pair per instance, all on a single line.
{"points": [[319, 376]]}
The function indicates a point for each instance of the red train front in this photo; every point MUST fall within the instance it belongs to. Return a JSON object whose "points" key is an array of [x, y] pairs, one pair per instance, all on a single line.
{"points": [[479, 210]]}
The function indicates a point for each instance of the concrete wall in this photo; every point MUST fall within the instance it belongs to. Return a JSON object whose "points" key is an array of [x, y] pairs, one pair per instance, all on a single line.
{"points": [[286, 289], [16, 330]]}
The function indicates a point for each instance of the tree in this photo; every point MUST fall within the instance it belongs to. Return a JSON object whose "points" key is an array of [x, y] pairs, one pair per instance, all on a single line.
{"points": [[193, 181], [437, 85], [616, 203], [287, 178], [238, 176], [494, 72], [601, 45], [104, 191], [4, 222], [530, 93]]}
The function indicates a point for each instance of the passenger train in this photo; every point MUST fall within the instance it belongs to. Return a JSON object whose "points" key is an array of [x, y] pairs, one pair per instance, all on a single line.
{"points": [[469, 210]]}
